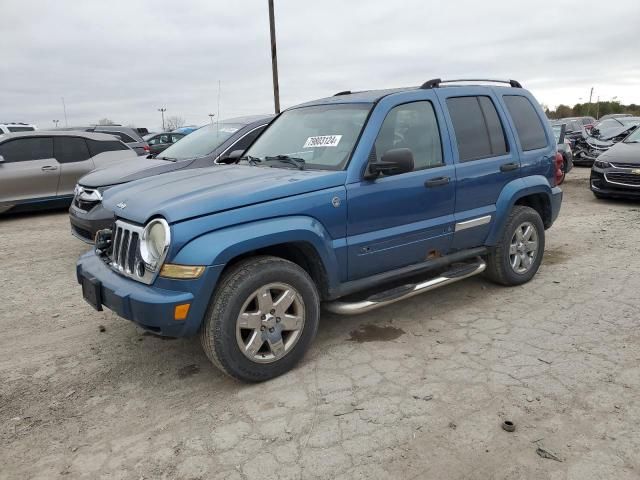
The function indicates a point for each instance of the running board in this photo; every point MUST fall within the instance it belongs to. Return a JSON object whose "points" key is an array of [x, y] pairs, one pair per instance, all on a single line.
{"points": [[396, 294]]}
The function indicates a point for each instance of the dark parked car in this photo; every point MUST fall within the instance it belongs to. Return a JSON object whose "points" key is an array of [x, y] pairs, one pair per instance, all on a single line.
{"points": [[201, 148], [616, 172], [158, 142], [564, 148]]}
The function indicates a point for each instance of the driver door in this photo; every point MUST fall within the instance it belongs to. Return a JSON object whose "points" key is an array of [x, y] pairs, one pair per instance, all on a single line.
{"points": [[403, 219]]}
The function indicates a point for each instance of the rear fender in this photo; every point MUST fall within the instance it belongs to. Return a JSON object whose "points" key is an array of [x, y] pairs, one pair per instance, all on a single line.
{"points": [[511, 193]]}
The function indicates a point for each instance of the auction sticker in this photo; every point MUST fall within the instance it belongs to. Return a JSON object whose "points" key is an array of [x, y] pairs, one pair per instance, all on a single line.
{"points": [[322, 141]]}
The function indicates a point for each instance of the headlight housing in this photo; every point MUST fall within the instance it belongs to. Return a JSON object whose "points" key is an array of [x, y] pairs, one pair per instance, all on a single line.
{"points": [[154, 243], [601, 164]]}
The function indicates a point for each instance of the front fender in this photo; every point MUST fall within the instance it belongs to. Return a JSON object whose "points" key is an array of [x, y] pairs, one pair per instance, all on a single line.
{"points": [[221, 246], [511, 193]]}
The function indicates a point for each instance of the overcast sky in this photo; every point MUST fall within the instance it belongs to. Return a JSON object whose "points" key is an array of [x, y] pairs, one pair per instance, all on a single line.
{"points": [[125, 59]]}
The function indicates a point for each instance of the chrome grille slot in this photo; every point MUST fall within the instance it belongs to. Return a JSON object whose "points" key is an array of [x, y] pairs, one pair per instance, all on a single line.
{"points": [[125, 256]]}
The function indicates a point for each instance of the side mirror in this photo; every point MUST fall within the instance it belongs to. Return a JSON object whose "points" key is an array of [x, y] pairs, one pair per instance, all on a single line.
{"points": [[233, 157], [1, 159], [393, 162]]}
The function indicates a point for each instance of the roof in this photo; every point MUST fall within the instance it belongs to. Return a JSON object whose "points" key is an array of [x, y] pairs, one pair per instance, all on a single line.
{"points": [[60, 133], [247, 119]]}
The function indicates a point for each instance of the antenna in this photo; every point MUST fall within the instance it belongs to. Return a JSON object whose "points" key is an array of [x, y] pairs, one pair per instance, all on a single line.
{"points": [[218, 115]]}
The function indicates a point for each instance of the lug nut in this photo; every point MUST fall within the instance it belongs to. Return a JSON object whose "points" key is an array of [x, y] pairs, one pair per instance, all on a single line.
{"points": [[262, 328], [272, 312], [277, 319], [263, 317], [271, 330]]}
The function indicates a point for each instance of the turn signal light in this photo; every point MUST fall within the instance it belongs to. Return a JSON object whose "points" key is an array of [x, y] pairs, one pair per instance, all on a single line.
{"points": [[181, 272], [181, 311]]}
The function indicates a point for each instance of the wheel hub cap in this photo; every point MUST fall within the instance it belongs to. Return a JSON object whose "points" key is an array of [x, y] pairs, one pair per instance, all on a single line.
{"points": [[523, 249]]}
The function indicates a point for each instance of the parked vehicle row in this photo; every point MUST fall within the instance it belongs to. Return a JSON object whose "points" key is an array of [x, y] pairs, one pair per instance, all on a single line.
{"points": [[129, 135], [198, 150], [616, 172], [13, 127], [41, 168], [341, 202]]}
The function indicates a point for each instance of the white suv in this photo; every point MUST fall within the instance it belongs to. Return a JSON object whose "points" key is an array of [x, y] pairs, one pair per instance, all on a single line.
{"points": [[16, 127]]}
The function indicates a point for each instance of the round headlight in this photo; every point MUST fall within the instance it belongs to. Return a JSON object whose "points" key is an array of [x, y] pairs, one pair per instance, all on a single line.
{"points": [[155, 241]]}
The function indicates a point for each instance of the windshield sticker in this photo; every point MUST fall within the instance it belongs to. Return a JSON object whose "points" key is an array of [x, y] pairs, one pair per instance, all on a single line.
{"points": [[228, 130], [322, 141]]}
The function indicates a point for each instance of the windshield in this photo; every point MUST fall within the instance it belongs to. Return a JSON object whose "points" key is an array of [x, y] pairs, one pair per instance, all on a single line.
{"points": [[201, 142], [322, 135], [634, 137]]}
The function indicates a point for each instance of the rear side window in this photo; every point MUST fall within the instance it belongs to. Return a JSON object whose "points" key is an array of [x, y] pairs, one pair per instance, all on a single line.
{"points": [[122, 136], [479, 132], [25, 149], [70, 149], [21, 129], [528, 124], [100, 146]]}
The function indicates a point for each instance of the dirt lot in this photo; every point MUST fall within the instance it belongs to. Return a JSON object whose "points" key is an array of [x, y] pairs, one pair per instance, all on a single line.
{"points": [[416, 390]]}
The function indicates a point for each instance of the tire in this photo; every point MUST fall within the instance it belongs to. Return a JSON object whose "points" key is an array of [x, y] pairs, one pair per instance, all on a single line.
{"points": [[256, 354], [499, 260]]}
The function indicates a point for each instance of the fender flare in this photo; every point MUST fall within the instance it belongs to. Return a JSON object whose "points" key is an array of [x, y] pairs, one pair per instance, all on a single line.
{"points": [[511, 193], [219, 247]]}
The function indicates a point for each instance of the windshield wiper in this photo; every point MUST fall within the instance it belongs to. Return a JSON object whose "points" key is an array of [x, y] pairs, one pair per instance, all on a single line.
{"points": [[295, 161]]}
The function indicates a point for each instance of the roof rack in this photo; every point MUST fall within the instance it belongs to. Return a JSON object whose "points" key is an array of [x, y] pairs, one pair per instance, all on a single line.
{"points": [[435, 82], [344, 92]]}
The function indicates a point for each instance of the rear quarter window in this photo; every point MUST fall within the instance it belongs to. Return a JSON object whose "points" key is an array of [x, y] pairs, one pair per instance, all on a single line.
{"points": [[101, 146], [528, 125]]}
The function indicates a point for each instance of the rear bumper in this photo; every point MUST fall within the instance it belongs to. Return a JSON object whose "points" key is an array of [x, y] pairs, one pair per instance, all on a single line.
{"points": [[150, 306], [556, 203]]}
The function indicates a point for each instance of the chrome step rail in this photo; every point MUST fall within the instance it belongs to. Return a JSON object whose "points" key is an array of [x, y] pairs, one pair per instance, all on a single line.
{"points": [[402, 292]]}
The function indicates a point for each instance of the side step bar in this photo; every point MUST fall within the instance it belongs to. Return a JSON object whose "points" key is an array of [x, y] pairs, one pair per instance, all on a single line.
{"points": [[396, 294]]}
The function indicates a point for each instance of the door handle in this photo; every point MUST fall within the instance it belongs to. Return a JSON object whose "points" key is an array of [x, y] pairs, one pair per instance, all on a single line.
{"points": [[436, 182], [509, 167], [49, 168]]}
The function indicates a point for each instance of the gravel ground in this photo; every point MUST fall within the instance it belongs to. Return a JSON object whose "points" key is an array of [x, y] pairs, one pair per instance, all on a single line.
{"points": [[415, 390]]}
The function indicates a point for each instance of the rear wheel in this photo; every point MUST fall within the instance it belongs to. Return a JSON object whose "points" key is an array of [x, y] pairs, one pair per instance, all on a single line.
{"points": [[517, 257], [262, 319]]}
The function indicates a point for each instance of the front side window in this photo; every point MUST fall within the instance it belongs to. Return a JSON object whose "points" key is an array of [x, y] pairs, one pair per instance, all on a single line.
{"points": [[322, 135], [25, 149], [413, 126], [528, 125], [70, 149], [478, 130]]}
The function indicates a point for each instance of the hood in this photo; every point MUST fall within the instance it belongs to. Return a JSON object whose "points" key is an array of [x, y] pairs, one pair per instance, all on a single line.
{"points": [[191, 193], [130, 170], [623, 153]]}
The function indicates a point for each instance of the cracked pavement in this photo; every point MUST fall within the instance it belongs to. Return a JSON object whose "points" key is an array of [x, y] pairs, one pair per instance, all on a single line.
{"points": [[415, 390]]}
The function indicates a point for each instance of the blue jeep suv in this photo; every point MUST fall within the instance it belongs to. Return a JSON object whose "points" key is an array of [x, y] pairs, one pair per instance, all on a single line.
{"points": [[352, 202]]}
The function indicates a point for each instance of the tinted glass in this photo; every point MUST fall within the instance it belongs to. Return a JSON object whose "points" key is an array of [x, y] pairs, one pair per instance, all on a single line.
{"points": [[122, 136], [247, 140], [322, 135], [100, 146], [528, 124], [70, 149], [413, 126], [479, 132], [27, 149], [175, 137], [202, 141]]}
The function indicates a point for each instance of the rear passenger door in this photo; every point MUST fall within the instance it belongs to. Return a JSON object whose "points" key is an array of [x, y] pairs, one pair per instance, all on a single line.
{"points": [[485, 158], [29, 170], [72, 153]]}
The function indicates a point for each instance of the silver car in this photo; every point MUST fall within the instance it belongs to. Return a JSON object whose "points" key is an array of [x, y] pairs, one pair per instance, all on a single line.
{"points": [[40, 168]]}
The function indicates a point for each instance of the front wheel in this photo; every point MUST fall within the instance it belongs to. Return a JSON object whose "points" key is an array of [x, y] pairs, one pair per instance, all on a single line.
{"points": [[262, 319], [517, 257]]}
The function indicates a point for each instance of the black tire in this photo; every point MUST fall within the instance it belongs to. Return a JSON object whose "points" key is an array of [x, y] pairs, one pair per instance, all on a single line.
{"points": [[499, 268], [218, 331]]}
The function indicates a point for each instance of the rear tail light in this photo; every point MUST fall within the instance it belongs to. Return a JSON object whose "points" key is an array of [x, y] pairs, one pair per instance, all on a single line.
{"points": [[558, 168], [146, 148]]}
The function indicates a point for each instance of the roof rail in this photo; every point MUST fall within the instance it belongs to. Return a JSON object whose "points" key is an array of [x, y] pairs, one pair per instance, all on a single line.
{"points": [[435, 82], [344, 92]]}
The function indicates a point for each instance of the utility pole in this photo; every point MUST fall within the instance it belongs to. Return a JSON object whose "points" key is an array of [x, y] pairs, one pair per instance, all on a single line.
{"points": [[162, 110], [274, 59], [64, 107], [211, 115], [55, 123], [598, 108], [590, 96]]}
